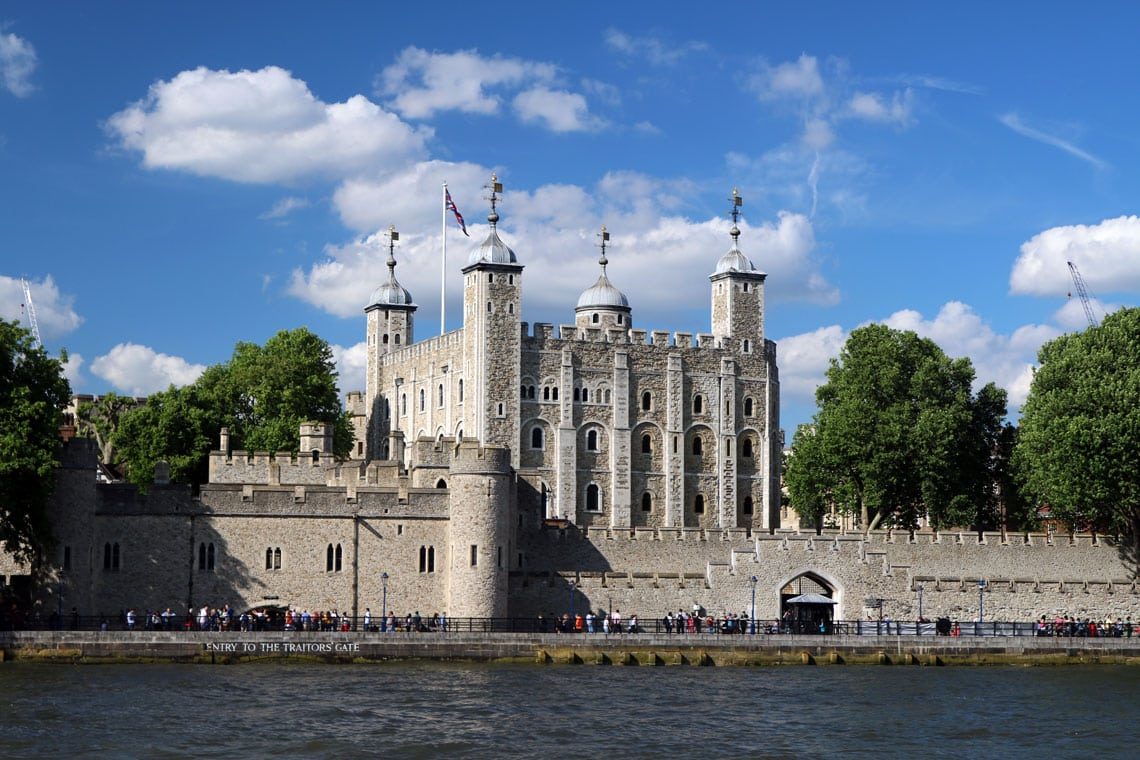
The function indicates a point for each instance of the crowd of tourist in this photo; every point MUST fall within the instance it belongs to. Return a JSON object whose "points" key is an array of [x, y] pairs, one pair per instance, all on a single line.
{"points": [[1063, 625]]}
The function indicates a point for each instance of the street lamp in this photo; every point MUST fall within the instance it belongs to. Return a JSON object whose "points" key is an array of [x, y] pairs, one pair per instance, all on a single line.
{"points": [[920, 590], [384, 603], [753, 579], [981, 601], [570, 595]]}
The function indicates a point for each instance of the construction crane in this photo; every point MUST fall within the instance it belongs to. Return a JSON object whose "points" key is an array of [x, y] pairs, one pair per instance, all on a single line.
{"points": [[1082, 292], [31, 310]]}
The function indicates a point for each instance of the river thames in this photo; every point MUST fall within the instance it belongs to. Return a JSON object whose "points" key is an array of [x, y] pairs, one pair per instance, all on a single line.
{"points": [[427, 710]]}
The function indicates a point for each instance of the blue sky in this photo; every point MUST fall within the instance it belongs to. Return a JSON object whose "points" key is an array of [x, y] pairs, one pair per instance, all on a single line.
{"points": [[175, 178]]}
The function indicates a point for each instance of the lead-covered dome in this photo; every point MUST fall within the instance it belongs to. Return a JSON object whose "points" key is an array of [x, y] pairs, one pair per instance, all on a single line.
{"points": [[602, 294], [391, 293], [734, 261], [492, 250]]}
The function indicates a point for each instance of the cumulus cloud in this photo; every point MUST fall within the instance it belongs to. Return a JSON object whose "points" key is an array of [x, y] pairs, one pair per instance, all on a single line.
{"points": [[804, 360], [421, 83], [55, 312], [72, 369], [351, 366], [873, 106], [261, 126], [284, 207], [798, 79], [1107, 255], [652, 49], [140, 370], [553, 230], [17, 62], [557, 110]]}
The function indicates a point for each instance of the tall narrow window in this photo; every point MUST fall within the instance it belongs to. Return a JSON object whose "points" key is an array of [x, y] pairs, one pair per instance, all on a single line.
{"points": [[595, 319], [699, 504], [423, 559], [338, 557], [536, 438], [646, 401], [697, 445], [554, 393], [747, 346], [384, 340], [277, 558], [431, 559], [577, 394], [747, 508], [546, 393], [461, 390], [646, 444], [499, 557], [746, 448], [698, 404], [522, 391], [269, 559], [441, 394], [397, 339], [592, 440], [423, 405], [210, 556], [647, 502], [748, 407], [593, 498], [329, 559], [201, 556], [403, 403], [474, 555]]}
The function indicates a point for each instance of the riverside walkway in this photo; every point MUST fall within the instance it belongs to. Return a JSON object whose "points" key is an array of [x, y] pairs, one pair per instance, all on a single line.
{"points": [[560, 648]]}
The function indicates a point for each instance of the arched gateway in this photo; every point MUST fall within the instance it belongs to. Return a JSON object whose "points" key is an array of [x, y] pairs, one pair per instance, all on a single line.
{"points": [[808, 603]]}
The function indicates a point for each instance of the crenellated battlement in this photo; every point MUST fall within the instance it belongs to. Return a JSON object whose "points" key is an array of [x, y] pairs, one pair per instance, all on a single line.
{"points": [[546, 336], [451, 340]]}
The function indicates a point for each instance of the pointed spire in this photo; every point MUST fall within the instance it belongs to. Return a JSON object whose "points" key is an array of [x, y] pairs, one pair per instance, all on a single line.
{"points": [[734, 260], [737, 202], [393, 236], [495, 187], [391, 293], [605, 236]]}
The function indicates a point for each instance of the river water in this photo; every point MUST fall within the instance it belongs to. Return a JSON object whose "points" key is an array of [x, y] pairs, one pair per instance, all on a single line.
{"points": [[433, 710]]}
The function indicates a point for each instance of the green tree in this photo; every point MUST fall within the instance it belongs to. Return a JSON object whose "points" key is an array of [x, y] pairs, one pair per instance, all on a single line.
{"points": [[1079, 441], [262, 394], [33, 393], [100, 419], [898, 435]]}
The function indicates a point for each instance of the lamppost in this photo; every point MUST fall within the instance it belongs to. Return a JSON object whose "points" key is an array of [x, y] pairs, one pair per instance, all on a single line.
{"points": [[981, 600], [920, 590], [570, 599], [752, 627], [384, 603]]}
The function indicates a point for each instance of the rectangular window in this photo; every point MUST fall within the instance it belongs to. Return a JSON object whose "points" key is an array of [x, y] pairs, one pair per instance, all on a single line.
{"points": [[499, 557], [474, 555]]}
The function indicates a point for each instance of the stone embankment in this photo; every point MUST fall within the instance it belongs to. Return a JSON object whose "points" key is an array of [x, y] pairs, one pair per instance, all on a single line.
{"points": [[146, 646]]}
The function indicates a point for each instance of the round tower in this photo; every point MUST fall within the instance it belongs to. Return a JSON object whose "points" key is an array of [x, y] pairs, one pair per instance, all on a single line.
{"points": [[479, 530], [603, 306]]}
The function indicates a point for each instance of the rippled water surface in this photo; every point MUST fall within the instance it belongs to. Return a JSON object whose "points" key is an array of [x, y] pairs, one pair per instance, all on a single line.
{"points": [[433, 710]]}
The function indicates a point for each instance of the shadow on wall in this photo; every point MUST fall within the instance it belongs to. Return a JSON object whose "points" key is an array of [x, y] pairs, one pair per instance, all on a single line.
{"points": [[215, 576]]}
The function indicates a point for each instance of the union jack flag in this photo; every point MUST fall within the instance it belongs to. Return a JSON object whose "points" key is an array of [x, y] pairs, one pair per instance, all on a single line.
{"points": [[451, 207]]}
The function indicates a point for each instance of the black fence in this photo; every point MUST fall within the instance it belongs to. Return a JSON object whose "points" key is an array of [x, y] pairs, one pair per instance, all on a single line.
{"points": [[703, 626]]}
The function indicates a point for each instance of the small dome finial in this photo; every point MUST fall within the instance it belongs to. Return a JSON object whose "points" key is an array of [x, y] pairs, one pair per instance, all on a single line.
{"points": [[495, 187], [605, 236], [737, 202]]}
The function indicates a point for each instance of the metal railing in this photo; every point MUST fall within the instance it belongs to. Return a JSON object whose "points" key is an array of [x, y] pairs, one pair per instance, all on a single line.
{"points": [[562, 625]]}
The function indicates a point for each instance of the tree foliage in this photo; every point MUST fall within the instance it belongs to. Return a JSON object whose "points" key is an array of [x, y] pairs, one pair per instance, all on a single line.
{"points": [[262, 394], [33, 393], [898, 435], [1079, 444], [100, 419]]}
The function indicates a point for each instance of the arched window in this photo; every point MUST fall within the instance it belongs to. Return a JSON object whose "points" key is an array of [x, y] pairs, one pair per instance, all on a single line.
{"points": [[594, 319], [746, 448], [423, 559], [646, 401], [423, 400], [500, 410], [697, 446], [490, 277], [647, 502], [202, 556], [747, 346], [338, 557], [441, 483], [536, 441], [530, 392], [577, 394], [329, 559], [397, 339], [316, 456], [554, 393], [384, 340], [607, 395], [277, 558], [621, 319], [269, 559], [646, 444], [699, 504], [461, 390], [441, 394], [591, 440], [210, 556], [747, 508], [593, 498], [698, 404], [546, 393], [522, 391], [585, 395], [431, 559], [748, 407]]}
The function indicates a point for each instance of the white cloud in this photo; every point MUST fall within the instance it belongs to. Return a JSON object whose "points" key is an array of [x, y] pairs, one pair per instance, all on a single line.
{"points": [[351, 366], [421, 83], [873, 106], [552, 229], [72, 369], [55, 313], [1014, 122], [17, 62], [140, 370], [652, 49], [804, 360], [799, 79], [818, 134], [1107, 255], [411, 199], [284, 207], [261, 126], [603, 91], [557, 110]]}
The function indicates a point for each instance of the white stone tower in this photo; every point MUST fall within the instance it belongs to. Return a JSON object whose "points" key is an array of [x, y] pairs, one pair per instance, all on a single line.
{"points": [[492, 338], [738, 294], [479, 531], [602, 306], [390, 313]]}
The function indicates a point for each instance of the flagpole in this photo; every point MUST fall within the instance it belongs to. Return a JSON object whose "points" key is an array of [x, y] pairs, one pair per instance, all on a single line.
{"points": [[443, 265]]}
